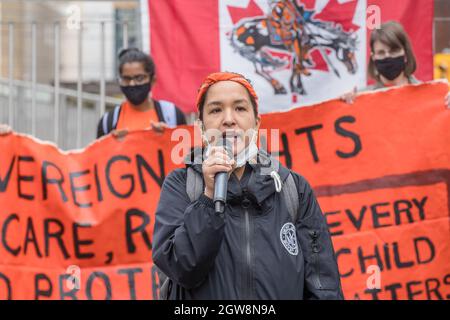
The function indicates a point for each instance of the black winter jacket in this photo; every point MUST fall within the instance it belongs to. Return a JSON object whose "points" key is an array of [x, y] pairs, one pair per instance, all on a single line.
{"points": [[241, 254]]}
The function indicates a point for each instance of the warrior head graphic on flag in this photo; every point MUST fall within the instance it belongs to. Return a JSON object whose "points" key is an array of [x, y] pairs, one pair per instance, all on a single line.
{"points": [[296, 52]]}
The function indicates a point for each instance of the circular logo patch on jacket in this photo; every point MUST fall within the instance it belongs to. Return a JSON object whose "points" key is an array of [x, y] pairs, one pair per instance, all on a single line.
{"points": [[288, 237]]}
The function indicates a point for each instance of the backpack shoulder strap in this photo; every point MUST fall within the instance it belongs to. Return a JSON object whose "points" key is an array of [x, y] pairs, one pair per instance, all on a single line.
{"points": [[164, 285], [290, 195], [194, 184], [169, 112], [289, 188], [115, 119], [110, 119], [194, 188]]}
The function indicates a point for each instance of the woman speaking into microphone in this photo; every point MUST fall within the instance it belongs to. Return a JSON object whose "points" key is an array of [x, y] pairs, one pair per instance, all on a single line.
{"points": [[271, 240]]}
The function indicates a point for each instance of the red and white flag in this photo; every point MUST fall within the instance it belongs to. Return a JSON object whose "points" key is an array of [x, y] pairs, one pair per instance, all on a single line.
{"points": [[295, 52]]}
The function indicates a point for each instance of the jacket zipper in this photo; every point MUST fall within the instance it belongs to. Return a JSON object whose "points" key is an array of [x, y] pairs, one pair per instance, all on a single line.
{"points": [[248, 255], [315, 252]]}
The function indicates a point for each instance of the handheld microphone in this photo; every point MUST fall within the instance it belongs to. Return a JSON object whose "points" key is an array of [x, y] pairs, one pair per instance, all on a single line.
{"points": [[221, 181]]}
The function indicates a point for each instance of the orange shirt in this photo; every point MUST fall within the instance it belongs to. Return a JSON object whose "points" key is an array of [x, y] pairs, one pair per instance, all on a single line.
{"points": [[132, 119]]}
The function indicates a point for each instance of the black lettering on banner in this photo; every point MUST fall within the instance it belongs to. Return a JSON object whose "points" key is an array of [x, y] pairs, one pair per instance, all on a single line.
{"points": [[390, 257], [130, 272], [376, 215], [427, 242], [312, 145], [40, 291], [401, 206], [78, 243], [71, 293], [123, 177], [405, 206], [30, 237], [338, 253], [109, 257], [139, 229], [373, 292], [74, 189], [13, 251], [396, 210], [447, 282], [348, 134], [106, 283], [142, 164], [387, 256], [420, 205], [410, 291], [7, 283], [362, 259], [398, 263], [392, 288], [46, 181], [333, 225], [4, 182], [285, 152], [433, 288], [98, 184], [357, 222], [56, 234], [21, 178]]}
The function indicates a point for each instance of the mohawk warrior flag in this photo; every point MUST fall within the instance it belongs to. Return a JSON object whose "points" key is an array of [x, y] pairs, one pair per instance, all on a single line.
{"points": [[292, 54], [295, 52]]}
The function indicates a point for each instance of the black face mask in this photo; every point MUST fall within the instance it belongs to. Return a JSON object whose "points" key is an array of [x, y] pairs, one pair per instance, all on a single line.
{"points": [[390, 68], [136, 94]]}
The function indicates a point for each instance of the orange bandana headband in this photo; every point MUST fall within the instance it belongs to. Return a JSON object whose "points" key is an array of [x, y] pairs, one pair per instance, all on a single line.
{"points": [[225, 76]]}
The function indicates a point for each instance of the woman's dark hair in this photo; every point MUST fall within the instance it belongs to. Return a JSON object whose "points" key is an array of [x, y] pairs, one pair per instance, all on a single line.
{"points": [[393, 35], [130, 55]]}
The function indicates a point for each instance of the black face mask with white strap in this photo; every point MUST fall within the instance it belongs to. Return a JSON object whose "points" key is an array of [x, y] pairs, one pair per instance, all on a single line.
{"points": [[390, 68]]}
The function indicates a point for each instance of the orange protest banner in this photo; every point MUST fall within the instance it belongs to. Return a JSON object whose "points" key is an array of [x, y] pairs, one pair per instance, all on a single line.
{"points": [[93, 210], [381, 171], [79, 224]]}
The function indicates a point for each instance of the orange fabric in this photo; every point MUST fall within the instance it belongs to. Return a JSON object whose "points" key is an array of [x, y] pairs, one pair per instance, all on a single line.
{"points": [[132, 119], [381, 176], [225, 76]]}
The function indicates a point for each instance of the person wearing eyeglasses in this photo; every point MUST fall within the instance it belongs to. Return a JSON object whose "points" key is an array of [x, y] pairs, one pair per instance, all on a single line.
{"points": [[139, 111], [392, 61]]}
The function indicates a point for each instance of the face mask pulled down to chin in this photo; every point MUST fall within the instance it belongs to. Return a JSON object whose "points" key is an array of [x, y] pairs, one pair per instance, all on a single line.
{"points": [[245, 155]]}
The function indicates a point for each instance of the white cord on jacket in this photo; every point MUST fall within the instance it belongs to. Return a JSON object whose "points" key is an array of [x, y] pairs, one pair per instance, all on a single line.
{"points": [[277, 180]]}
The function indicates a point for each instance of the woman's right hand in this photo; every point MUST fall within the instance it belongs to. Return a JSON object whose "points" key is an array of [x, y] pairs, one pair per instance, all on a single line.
{"points": [[217, 161], [349, 97], [5, 129]]}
